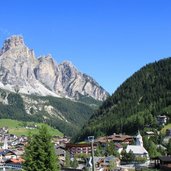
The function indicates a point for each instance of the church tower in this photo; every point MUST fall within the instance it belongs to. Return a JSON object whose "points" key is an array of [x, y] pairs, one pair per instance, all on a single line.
{"points": [[139, 140], [5, 146]]}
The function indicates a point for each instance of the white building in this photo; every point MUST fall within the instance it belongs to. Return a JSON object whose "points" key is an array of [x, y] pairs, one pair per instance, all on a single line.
{"points": [[5, 146], [138, 149]]}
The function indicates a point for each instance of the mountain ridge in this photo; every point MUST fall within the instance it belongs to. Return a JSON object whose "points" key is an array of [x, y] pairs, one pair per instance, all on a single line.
{"points": [[41, 90], [19, 68]]}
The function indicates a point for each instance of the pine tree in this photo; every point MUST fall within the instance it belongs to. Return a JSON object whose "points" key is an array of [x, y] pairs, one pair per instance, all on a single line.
{"points": [[128, 157], [74, 163], [112, 165], [152, 149], [169, 147], [39, 153], [98, 151], [67, 160], [111, 149]]}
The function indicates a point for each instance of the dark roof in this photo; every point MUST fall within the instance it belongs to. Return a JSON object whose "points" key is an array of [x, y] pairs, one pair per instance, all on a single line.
{"points": [[4, 152], [69, 145], [115, 137], [70, 169], [165, 158]]}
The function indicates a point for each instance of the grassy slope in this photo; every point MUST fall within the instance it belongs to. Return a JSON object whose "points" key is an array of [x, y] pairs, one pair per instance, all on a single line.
{"points": [[17, 127], [168, 126]]}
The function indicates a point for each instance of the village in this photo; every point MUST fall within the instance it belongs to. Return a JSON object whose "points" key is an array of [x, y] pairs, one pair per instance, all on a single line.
{"points": [[105, 153]]}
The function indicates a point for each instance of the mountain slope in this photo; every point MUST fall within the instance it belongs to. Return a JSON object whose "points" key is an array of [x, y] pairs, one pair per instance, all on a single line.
{"points": [[61, 113], [136, 103], [39, 89], [21, 71]]}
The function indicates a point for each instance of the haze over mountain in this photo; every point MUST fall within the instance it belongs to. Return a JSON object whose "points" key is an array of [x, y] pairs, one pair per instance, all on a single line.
{"points": [[22, 72]]}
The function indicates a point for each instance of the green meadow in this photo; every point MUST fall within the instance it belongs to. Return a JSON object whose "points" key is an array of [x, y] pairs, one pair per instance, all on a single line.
{"points": [[19, 127]]}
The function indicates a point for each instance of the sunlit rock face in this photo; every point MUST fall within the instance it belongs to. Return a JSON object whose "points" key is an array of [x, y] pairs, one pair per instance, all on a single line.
{"points": [[21, 71]]}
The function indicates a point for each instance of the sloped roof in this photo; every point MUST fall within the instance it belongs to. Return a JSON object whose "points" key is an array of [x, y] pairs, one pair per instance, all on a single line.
{"points": [[114, 137], [165, 158], [4, 152], [18, 160], [136, 149]]}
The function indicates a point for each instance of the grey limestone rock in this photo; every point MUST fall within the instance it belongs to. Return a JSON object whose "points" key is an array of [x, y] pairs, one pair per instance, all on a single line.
{"points": [[20, 68]]}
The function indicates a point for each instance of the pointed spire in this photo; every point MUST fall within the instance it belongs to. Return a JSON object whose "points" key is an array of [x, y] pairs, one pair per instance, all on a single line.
{"points": [[139, 140], [138, 134], [5, 146]]}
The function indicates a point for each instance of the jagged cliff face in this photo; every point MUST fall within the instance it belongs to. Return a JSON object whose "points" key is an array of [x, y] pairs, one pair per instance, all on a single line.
{"points": [[22, 72], [17, 63]]}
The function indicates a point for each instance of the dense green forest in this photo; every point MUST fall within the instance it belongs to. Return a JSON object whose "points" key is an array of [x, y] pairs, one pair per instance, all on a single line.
{"points": [[76, 113], [135, 104]]}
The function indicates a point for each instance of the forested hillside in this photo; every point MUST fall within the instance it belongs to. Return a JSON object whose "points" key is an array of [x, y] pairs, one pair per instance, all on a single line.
{"points": [[135, 104], [61, 113]]}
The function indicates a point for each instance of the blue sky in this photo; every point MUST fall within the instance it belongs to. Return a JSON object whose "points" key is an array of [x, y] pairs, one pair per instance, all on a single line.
{"points": [[106, 39]]}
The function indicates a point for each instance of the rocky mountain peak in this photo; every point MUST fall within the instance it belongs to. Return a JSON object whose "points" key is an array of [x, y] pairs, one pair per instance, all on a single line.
{"points": [[14, 48], [13, 42], [49, 56], [45, 58], [67, 63], [19, 67]]}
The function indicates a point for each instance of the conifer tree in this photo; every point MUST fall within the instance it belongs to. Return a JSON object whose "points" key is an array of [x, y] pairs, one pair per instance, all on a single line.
{"points": [[74, 163], [169, 147], [111, 149], [152, 149], [67, 160], [40, 153]]}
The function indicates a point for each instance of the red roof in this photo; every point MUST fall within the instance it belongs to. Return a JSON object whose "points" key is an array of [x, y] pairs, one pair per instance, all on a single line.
{"points": [[18, 160]]}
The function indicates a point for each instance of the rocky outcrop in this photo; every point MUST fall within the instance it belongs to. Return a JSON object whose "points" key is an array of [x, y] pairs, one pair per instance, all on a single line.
{"points": [[74, 82], [17, 64], [14, 47], [21, 71], [46, 71]]}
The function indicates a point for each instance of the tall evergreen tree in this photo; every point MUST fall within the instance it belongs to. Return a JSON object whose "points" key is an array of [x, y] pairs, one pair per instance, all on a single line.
{"points": [[111, 149], [128, 157], [74, 163], [169, 147], [67, 160], [99, 151], [152, 149], [39, 153]]}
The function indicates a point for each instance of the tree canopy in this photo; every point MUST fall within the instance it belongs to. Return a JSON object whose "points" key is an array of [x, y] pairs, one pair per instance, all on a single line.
{"points": [[40, 153], [135, 104]]}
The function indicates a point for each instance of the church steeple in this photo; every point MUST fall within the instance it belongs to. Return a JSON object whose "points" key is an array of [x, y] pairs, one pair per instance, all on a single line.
{"points": [[139, 140], [5, 146]]}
